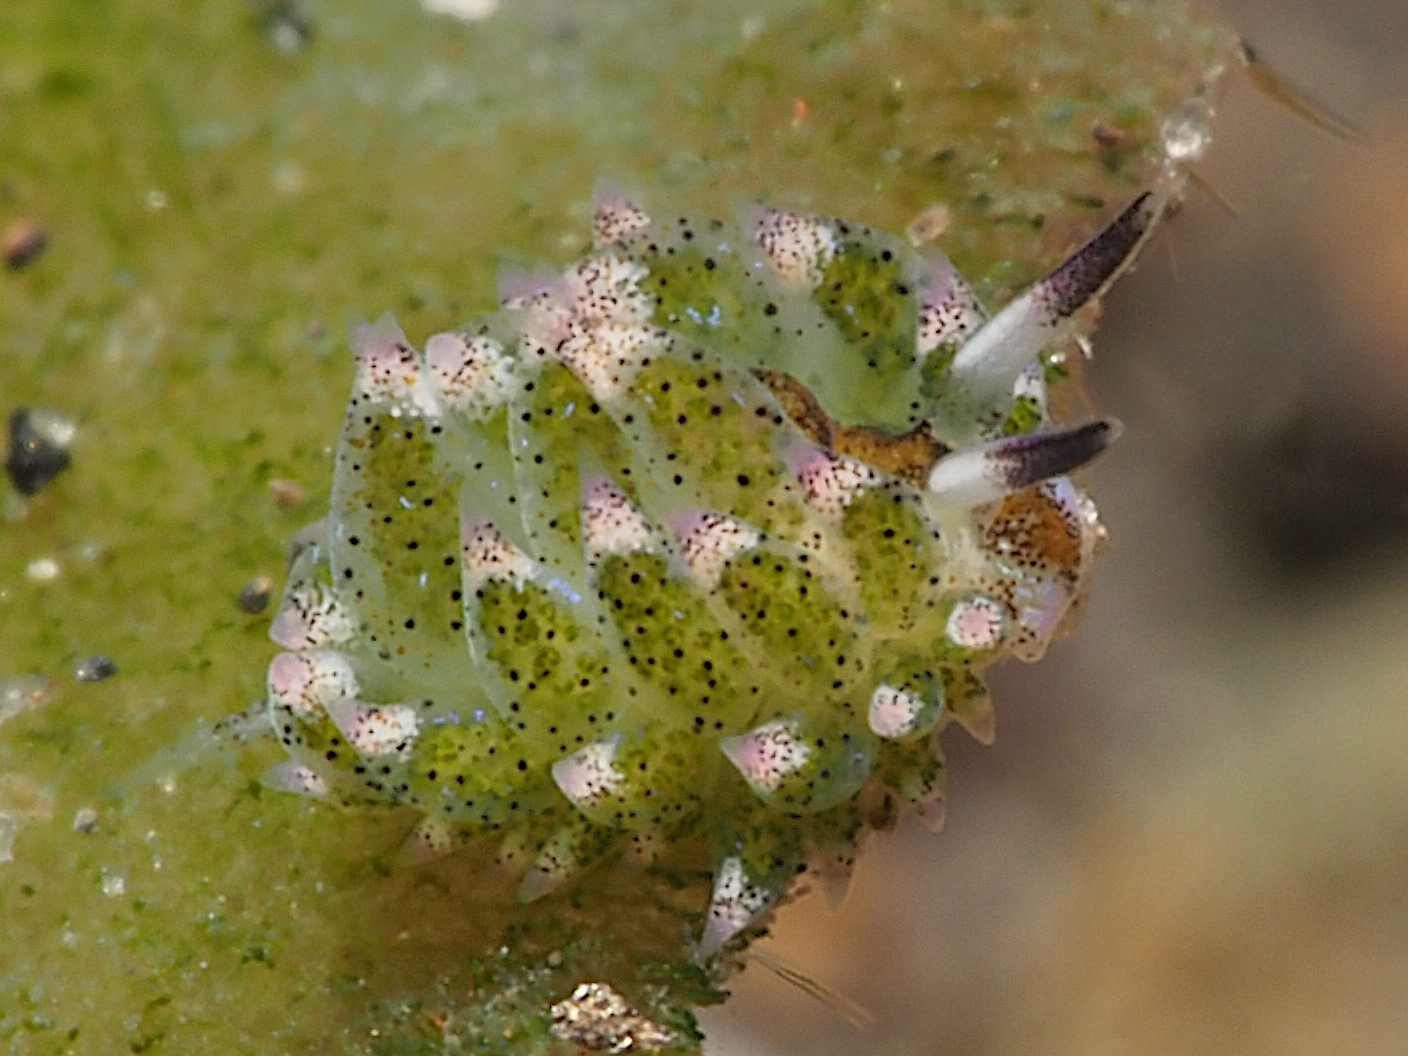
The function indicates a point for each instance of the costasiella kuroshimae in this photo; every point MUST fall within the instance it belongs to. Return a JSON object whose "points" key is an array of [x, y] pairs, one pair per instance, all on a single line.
{"points": [[709, 535]]}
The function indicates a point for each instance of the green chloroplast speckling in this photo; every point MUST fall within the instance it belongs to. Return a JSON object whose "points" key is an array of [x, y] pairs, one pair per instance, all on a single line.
{"points": [[705, 538]]}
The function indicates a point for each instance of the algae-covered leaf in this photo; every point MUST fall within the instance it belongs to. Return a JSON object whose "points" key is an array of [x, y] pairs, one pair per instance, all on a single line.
{"points": [[226, 188]]}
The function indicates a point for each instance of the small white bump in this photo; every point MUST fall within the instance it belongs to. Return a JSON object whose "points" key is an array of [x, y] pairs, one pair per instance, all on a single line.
{"points": [[610, 523], [589, 774], [796, 245], [767, 755], [490, 558], [605, 290], [311, 616], [614, 217], [976, 623], [470, 374], [375, 730], [595, 319], [606, 356], [830, 482], [306, 683], [710, 541], [736, 903], [894, 712], [948, 310], [388, 369]]}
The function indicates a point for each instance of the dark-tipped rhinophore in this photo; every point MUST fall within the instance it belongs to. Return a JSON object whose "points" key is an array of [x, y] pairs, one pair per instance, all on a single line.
{"points": [[989, 362], [998, 468]]}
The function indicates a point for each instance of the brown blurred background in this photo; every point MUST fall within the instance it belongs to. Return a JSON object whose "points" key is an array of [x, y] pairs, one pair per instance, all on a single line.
{"points": [[1192, 834]]}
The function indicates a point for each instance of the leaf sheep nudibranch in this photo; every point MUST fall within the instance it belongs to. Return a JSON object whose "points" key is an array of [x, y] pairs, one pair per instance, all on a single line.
{"points": [[706, 537]]}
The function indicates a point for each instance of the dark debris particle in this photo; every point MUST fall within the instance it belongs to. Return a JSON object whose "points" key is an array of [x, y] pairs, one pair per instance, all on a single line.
{"points": [[1107, 135], [39, 442], [22, 243], [288, 493], [254, 598], [96, 668]]}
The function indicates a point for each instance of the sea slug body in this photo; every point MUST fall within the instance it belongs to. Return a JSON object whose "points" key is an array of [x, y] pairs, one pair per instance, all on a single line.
{"points": [[708, 536]]}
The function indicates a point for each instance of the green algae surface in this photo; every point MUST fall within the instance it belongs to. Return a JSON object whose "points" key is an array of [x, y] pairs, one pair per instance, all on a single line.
{"points": [[224, 195]]}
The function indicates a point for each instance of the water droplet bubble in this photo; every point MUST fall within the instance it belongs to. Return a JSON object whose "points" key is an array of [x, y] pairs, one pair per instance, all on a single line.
{"points": [[1187, 133]]}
